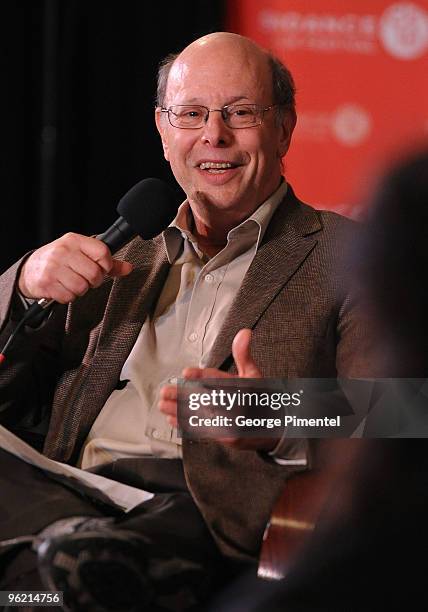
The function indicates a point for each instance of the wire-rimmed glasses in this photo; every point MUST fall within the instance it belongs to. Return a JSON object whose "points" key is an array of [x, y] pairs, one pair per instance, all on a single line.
{"points": [[236, 116]]}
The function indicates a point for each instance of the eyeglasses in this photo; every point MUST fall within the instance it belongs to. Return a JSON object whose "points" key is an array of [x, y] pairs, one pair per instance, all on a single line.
{"points": [[236, 116]]}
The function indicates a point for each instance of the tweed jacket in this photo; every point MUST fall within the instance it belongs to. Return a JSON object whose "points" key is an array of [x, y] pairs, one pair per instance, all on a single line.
{"points": [[305, 323]]}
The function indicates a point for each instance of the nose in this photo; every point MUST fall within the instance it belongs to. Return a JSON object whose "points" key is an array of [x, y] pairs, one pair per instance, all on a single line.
{"points": [[215, 132]]}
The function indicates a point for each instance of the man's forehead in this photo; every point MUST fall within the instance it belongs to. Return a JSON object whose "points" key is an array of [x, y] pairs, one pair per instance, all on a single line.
{"points": [[222, 49], [207, 68], [179, 70]]}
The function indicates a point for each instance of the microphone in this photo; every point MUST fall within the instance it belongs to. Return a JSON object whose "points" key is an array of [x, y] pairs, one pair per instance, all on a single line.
{"points": [[135, 220], [145, 210], [146, 221]]}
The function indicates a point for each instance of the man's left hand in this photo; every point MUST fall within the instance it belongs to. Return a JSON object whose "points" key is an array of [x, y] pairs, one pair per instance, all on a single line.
{"points": [[247, 368]]}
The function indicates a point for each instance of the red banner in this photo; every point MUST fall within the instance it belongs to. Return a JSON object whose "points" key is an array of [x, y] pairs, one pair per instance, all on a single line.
{"points": [[361, 73]]}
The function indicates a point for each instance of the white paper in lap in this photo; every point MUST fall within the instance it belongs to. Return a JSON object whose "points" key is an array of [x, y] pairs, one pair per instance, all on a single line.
{"points": [[123, 495]]}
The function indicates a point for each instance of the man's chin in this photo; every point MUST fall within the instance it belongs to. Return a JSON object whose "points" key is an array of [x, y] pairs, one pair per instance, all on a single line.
{"points": [[219, 199]]}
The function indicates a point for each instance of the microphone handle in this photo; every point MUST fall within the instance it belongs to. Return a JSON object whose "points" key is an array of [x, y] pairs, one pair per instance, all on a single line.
{"points": [[33, 316], [37, 308]]}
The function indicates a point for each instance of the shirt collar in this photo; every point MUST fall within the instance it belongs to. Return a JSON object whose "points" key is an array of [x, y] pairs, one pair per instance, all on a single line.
{"points": [[248, 232]]}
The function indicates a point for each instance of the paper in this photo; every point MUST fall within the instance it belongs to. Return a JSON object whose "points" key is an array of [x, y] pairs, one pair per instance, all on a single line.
{"points": [[124, 496]]}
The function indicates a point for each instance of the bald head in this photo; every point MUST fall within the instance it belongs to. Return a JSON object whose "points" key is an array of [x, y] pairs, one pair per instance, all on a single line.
{"points": [[223, 38], [237, 47], [237, 50]]}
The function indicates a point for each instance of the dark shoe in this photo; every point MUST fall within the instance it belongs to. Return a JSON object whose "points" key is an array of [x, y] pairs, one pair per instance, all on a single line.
{"points": [[97, 571], [57, 528], [114, 571]]}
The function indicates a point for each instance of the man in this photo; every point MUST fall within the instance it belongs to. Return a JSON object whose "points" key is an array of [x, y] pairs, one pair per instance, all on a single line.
{"points": [[243, 253]]}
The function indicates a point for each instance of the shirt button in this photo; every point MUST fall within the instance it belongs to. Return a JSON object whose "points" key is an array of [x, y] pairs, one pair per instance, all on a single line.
{"points": [[173, 380], [157, 434], [209, 278], [193, 337]]}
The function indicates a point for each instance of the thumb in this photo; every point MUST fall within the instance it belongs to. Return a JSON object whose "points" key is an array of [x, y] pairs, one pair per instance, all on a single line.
{"points": [[247, 368], [120, 268]]}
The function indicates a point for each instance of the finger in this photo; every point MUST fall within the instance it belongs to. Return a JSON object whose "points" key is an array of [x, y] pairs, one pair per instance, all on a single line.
{"points": [[60, 294], [246, 366], [94, 249], [66, 288], [87, 268], [100, 253], [120, 268], [168, 407], [168, 392], [172, 421]]}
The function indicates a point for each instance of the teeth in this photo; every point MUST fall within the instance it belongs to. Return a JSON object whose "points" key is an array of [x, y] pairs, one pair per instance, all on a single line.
{"points": [[215, 165]]}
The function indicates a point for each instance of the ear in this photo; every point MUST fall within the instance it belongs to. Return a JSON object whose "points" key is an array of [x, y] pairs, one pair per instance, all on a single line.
{"points": [[160, 124], [285, 132]]}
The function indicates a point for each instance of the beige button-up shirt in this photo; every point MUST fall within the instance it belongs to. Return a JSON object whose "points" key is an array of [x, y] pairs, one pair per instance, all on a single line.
{"points": [[189, 314]]}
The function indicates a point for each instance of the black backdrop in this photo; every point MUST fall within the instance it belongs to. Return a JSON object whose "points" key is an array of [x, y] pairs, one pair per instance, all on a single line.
{"points": [[79, 80]]}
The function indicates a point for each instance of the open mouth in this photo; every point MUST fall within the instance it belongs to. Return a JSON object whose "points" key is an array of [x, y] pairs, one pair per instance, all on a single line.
{"points": [[216, 167]]}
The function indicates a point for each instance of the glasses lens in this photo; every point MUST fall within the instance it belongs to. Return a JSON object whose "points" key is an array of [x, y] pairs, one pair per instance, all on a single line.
{"points": [[234, 115], [243, 115], [187, 116]]}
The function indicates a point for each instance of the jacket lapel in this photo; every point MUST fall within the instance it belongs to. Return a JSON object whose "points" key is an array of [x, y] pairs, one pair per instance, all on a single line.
{"points": [[132, 298], [130, 301], [288, 240]]}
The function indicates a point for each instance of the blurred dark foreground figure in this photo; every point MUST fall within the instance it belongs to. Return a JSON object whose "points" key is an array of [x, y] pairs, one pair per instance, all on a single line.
{"points": [[367, 552], [393, 260]]}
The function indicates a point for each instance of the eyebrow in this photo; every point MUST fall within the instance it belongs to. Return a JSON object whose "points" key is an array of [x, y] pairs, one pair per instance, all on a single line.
{"points": [[197, 100]]}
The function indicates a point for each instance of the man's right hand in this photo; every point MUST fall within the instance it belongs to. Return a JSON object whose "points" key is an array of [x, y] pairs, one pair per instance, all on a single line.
{"points": [[66, 268]]}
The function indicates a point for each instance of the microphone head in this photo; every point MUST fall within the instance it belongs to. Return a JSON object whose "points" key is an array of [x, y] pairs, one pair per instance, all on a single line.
{"points": [[148, 207]]}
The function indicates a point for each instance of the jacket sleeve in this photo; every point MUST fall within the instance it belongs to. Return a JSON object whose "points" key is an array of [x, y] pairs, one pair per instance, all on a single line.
{"points": [[29, 375]]}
